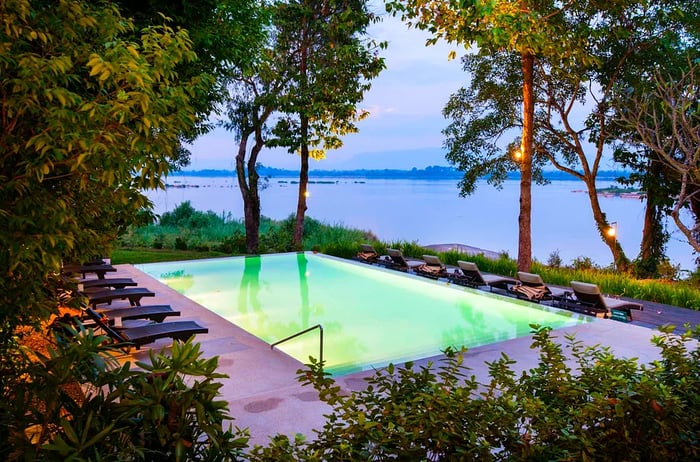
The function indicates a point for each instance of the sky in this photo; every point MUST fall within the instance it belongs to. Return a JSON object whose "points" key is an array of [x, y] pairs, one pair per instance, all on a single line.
{"points": [[405, 104]]}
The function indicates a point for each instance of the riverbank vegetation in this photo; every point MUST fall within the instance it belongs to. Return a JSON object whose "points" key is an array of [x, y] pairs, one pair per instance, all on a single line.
{"points": [[206, 234], [188, 229]]}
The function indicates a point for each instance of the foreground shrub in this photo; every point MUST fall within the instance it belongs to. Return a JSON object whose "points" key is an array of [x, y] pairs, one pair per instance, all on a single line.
{"points": [[76, 402], [578, 403], [583, 263]]}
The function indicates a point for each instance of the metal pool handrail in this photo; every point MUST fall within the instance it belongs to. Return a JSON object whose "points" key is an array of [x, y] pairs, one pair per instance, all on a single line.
{"points": [[320, 342]]}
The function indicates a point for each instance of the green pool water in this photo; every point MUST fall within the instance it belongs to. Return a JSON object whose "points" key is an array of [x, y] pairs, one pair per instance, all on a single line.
{"points": [[371, 316]]}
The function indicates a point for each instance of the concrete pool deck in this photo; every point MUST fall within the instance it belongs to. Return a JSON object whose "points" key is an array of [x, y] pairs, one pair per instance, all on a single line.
{"points": [[262, 389]]}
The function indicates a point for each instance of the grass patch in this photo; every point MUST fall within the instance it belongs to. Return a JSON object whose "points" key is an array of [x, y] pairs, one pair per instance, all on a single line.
{"points": [[135, 256]]}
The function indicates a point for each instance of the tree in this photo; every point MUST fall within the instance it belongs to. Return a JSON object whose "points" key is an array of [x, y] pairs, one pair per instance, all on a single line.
{"points": [[672, 36], [254, 98], [228, 36], [89, 119], [580, 76], [252, 103], [224, 34], [632, 39], [330, 64], [659, 190], [526, 29], [667, 121]]}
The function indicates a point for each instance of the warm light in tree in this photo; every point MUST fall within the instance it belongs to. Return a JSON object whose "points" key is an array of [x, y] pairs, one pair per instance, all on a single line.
{"points": [[612, 233], [518, 154]]}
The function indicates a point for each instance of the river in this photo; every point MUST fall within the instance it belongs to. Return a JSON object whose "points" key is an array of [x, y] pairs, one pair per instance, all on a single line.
{"points": [[431, 212]]}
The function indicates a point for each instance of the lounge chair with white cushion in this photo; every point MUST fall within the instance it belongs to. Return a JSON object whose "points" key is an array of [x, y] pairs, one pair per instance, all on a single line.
{"points": [[397, 261], [531, 287], [432, 268], [367, 254], [468, 274], [588, 299]]}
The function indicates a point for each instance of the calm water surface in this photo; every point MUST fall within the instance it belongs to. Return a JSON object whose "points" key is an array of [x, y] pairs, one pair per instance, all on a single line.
{"points": [[371, 316], [431, 212]]}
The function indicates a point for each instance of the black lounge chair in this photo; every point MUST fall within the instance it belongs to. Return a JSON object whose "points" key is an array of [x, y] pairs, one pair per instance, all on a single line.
{"points": [[116, 283], [99, 270], [397, 261], [133, 294], [142, 335], [432, 268], [367, 254], [589, 300], [156, 313], [468, 274], [531, 287]]}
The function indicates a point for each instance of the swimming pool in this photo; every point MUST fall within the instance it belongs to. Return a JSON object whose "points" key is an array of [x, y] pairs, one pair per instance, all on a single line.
{"points": [[371, 316]]}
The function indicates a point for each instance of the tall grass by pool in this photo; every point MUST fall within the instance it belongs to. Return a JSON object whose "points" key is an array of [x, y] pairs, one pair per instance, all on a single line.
{"points": [[371, 316]]}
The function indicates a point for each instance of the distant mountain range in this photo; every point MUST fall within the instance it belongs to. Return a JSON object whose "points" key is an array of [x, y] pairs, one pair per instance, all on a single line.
{"points": [[434, 172]]}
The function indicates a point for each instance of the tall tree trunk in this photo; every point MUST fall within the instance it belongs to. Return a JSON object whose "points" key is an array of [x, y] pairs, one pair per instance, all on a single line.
{"points": [[694, 191], [654, 238], [248, 185], [298, 240], [651, 247], [527, 144], [619, 258], [252, 222], [251, 241]]}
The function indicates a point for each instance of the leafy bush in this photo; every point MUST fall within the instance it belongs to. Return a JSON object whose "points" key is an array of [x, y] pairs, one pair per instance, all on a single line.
{"points": [[578, 403], [232, 244], [166, 410], [277, 238], [180, 243], [554, 260], [583, 263], [185, 216], [668, 271]]}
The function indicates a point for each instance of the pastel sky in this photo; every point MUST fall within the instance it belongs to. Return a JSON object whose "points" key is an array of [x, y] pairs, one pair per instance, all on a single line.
{"points": [[405, 103]]}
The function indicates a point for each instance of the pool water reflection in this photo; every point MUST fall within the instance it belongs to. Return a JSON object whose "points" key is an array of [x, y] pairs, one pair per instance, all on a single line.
{"points": [[371, 316]]}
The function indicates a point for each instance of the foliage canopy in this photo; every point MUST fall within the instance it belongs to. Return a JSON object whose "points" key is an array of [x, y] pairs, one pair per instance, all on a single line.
{"points": [[89, 119]]}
